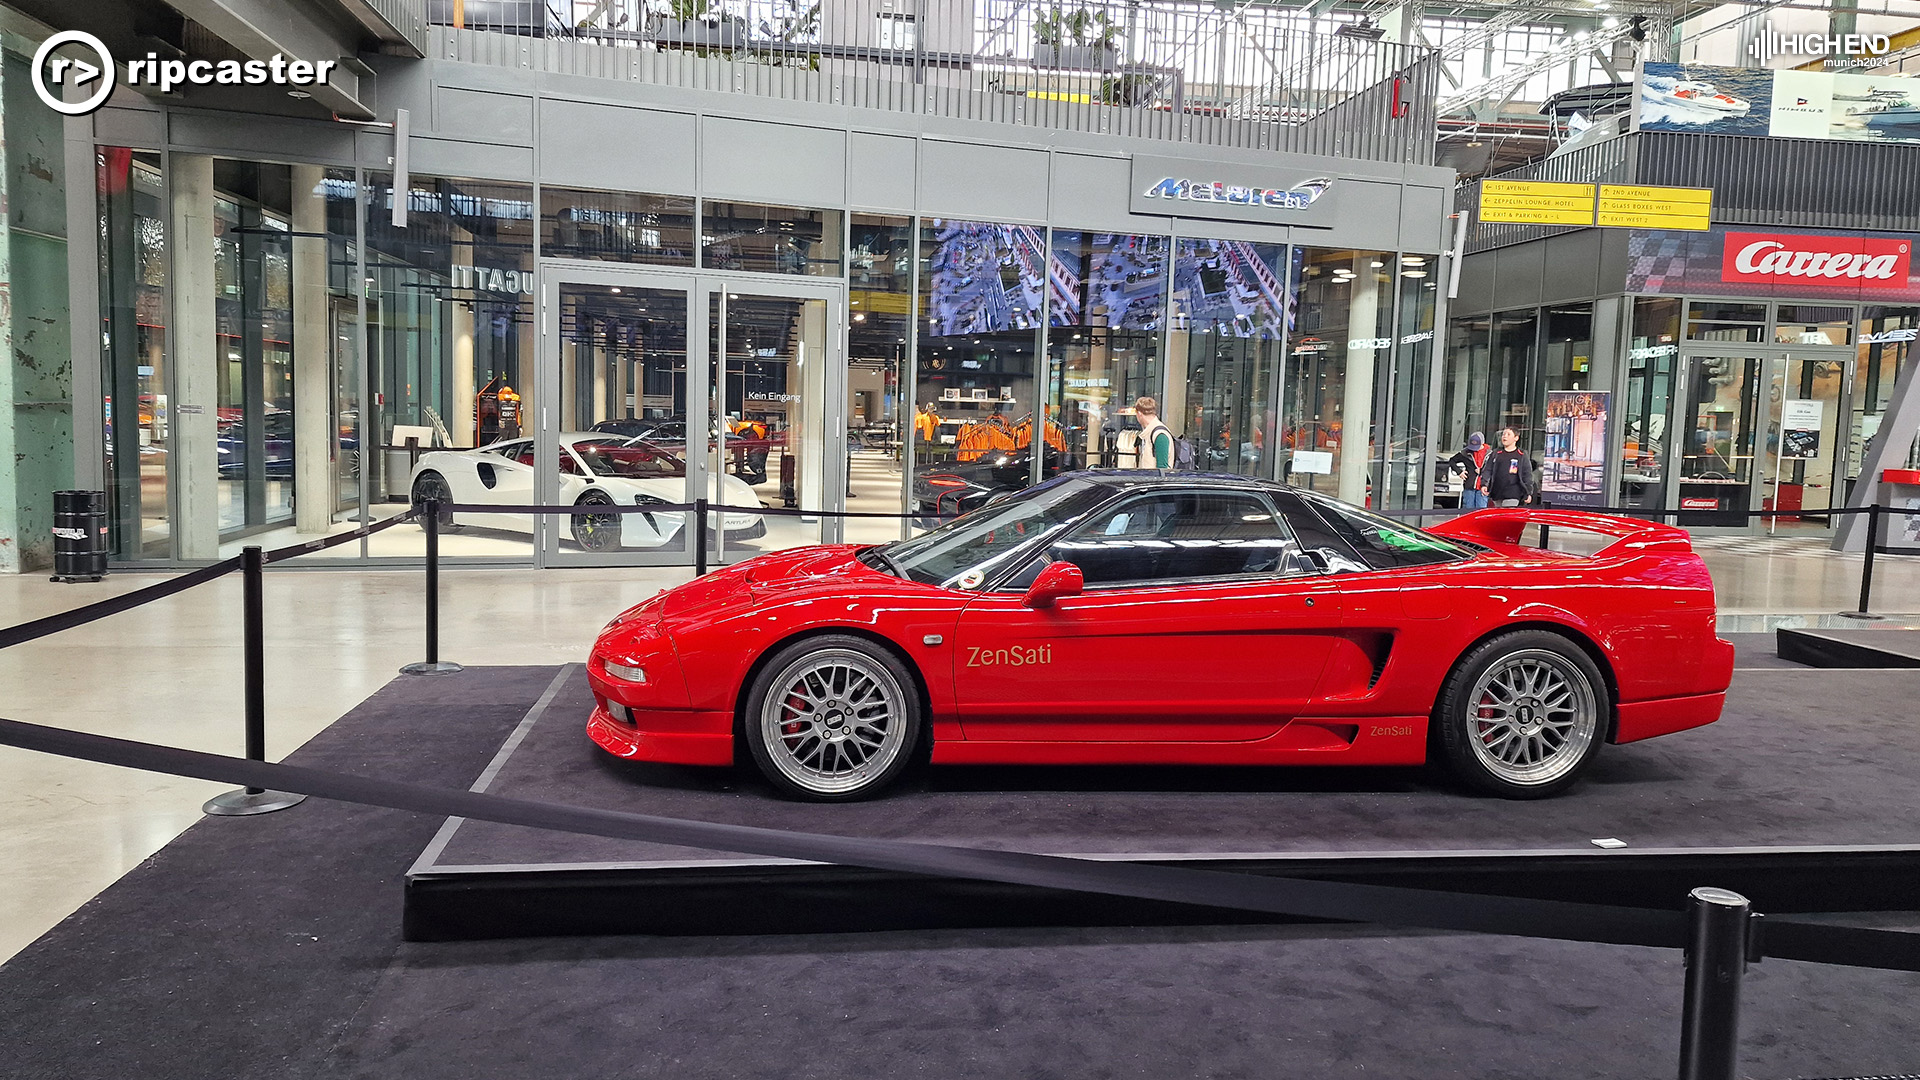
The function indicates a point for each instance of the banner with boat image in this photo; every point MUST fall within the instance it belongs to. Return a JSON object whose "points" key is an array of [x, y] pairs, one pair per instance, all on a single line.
{"points": [[1784, 103]]}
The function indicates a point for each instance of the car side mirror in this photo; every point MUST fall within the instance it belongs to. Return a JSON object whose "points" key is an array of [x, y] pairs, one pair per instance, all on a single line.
{"points": [[1058, 579]]}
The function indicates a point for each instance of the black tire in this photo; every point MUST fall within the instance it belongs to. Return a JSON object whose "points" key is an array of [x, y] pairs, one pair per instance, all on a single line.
{"points": [[1523, 715], [432, 487], [860, 728], [596, 532]]}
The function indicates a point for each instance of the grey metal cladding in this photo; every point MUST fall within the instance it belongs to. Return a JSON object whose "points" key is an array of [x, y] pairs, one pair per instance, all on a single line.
{"points": [[1367, 217], [880, 171], [479, 116], [981, 182], [583, 144], [265, 138], [1420, 208], [481, 161], [1088, 189], [767, 162], [1572, 267], [1521, 271]]}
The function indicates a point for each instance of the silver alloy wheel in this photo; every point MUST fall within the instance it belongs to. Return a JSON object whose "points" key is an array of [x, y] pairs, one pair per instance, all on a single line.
{"points": [[1532, 716], [833, 720]]}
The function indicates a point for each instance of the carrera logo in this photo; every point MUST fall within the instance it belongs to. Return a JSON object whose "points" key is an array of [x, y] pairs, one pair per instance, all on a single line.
{"points": [[1298, 197], [1866, 262]]}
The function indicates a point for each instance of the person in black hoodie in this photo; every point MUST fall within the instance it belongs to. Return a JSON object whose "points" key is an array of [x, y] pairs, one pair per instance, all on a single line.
{"points": [[1508, 475]]}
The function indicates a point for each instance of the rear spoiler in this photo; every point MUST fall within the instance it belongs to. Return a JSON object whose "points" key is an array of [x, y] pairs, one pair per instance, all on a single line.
{"points": [[1503, 525]]}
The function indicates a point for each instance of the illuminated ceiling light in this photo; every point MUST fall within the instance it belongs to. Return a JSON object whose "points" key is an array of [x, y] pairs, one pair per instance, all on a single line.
{"points": [[1377, 264], [616, 288], [1414, 260], [1413, 273]]}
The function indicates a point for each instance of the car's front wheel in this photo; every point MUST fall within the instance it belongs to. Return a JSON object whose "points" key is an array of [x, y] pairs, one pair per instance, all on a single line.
{"points": [[832, 719], [1522, 715], [595, 531], [432, 487]]}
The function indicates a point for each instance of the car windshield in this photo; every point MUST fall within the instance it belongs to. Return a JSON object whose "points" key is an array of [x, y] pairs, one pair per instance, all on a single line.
{"points": [[965, 552], [632, 459]]}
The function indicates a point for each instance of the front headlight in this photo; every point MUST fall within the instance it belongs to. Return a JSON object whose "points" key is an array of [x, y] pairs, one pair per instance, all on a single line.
{"points": [[626, 673]]}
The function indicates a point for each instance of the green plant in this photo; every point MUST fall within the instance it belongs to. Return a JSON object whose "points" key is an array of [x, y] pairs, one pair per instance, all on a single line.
{"points": [[1131, 89], [1081, 26]]}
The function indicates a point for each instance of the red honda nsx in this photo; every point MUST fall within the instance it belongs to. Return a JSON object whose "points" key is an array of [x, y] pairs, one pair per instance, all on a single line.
{"points": [[1151, 618]]}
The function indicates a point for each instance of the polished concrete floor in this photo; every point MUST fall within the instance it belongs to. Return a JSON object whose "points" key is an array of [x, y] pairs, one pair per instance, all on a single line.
{"points": [[170, 672]]}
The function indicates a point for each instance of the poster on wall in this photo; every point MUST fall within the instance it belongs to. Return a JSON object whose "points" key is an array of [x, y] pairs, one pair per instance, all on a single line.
{"points": [[1800, 428], [1575, 463], [1704, 99]]}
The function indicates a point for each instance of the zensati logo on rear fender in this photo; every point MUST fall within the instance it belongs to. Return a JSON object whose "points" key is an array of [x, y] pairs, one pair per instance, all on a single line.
{"points": [[1863, 262]]}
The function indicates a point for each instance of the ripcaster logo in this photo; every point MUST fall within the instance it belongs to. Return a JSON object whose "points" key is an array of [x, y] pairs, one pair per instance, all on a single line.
{"points": [[1011, 656]]}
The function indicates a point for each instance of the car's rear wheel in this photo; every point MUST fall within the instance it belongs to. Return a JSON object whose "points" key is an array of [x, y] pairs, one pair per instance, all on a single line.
{"points": [[1521, 716], [596, 532], [432, 487], [832, 718]]}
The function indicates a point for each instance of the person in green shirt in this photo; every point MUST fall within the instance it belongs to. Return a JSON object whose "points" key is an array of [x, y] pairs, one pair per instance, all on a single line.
{"points": [[1156, 441]]}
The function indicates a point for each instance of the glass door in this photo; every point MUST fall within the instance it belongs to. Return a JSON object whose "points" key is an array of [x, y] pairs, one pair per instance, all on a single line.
{"points": [[1711, 458], [1806, 400], [663, 388], [1647, 414]]}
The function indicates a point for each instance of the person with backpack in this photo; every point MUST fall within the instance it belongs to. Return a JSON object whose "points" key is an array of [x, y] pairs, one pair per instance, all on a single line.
{"points": [[1473, 492], [1156, 439]]}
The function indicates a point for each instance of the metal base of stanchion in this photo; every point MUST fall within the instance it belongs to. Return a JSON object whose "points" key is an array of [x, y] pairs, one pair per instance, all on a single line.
{"points": [[241, 802], [75, 579], [442, 667], [1862, 616]]}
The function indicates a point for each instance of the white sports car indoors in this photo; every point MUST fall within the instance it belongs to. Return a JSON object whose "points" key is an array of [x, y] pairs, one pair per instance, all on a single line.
{"points": [[596, 469]]}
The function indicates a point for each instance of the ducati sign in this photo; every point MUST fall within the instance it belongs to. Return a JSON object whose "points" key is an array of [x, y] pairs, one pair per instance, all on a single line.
{"points": [[1788, 259]]}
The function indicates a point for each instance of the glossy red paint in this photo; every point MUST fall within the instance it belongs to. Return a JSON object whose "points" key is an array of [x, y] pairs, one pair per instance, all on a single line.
{"points": [[1304, 669]]}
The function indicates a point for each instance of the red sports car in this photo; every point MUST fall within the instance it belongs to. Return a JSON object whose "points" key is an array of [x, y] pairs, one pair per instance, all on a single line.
{"points": [[1175, 619]]}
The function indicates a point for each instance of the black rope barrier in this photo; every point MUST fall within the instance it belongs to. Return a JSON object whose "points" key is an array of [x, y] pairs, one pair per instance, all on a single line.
{"points": [[80, 616], [1298, 897], [292, 551]]}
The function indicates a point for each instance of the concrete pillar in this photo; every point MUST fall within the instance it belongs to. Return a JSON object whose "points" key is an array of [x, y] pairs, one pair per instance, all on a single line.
{"points": [[806, 376], [1173, 402], [316, 479], [461, 388], [194, 456], [1356, 409]]}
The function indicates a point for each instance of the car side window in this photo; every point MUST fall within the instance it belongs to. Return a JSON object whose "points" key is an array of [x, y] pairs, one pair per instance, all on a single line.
{"points": [[1385, 544], [1179, 536]]}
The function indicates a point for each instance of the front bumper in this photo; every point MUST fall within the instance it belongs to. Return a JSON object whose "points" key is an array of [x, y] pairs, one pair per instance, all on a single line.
{"points": [[697, 747]]}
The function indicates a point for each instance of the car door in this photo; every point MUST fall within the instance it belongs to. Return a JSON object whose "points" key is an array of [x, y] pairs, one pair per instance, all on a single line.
{"points": [[505, 473], [1200, 622]]}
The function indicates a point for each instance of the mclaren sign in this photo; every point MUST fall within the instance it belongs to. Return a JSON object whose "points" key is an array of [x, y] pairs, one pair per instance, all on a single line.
{"points": [[1170, 187]]}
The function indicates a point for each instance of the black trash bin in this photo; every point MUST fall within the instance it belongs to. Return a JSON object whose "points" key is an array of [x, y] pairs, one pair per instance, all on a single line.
{"points": [[79, 535]]}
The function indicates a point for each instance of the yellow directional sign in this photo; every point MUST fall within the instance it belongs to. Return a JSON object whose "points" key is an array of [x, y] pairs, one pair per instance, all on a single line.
{"points": [[1534, 202], [1637, 207]]}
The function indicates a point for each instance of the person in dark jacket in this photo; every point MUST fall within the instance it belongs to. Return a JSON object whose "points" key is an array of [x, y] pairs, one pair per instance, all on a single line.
{"points": [[1469, 463], [1507, 476]]}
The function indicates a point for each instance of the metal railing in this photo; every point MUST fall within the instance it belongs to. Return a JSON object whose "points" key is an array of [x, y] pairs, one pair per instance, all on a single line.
{"points": [[1756, 180], [1263, 78]]}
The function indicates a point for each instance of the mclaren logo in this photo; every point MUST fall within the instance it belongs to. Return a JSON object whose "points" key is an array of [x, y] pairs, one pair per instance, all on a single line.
{"points": [[1298, 197], [1012, 656]]}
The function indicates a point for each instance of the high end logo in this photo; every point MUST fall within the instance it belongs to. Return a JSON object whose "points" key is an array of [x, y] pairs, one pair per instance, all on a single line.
{"points": [[1860, 261], [1856, 50], [1298, 197]]}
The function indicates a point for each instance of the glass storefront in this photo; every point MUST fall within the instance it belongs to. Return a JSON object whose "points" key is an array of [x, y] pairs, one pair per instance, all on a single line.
{"points": [[350, 364], [982, 289], [1224, 347]]}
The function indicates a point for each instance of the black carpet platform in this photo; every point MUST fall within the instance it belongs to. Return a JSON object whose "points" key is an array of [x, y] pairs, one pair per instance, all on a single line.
{"points": [[271, 948], [1879, 647], [1777, 799]]}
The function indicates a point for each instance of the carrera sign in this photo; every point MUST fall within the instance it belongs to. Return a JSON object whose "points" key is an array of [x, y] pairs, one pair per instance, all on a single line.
{"points": [[1784, 259]]}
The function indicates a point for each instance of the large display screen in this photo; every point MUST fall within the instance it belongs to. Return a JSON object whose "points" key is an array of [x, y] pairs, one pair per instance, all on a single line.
{"points": [[986, 277], [1231, 287], [1116, 280], [1711, 100]]}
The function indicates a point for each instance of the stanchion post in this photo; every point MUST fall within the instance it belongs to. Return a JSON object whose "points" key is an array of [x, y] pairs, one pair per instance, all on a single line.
{"points": [[433, 664], [1719, 923], [1866, 564], [253, 651], [700, 534]]}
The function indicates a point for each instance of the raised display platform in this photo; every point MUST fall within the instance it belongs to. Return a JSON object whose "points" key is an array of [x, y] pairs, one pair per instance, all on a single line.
{"points": [[1878, 647], [1802, 796]]}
